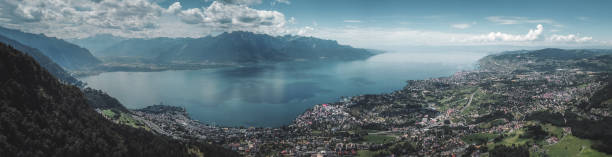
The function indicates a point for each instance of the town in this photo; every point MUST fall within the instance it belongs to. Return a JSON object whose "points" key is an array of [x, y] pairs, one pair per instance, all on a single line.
{"points": [[504, 106]]}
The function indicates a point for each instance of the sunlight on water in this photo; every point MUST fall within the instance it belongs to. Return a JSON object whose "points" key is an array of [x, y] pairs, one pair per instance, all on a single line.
{"points": [[272, 95]]}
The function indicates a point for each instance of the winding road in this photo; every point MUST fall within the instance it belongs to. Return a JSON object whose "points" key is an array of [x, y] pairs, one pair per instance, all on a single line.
{"points": [[469, 102]]}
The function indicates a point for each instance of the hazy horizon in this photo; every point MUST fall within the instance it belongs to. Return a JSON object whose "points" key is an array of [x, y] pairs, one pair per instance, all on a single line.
{"points": [[396, 26]]}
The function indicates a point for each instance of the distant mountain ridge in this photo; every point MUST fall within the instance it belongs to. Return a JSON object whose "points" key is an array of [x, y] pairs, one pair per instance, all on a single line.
{"points": [[67, 55], [97, 43], [238, 46], [547, 59]]}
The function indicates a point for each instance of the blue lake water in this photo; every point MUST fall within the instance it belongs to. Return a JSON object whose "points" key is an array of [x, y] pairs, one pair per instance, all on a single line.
{"points": [[273, 94]]}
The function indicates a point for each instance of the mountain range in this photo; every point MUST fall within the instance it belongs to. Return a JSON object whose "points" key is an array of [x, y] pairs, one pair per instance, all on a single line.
{"points": [[65, 54], [97, 43], [236, 47]]}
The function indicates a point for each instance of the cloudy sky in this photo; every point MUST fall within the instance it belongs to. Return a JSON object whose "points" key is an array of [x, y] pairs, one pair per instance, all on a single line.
{"points": [[379, 24]]}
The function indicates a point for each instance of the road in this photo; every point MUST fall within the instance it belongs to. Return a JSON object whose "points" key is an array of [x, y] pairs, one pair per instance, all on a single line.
{"points": [[469, 102]]}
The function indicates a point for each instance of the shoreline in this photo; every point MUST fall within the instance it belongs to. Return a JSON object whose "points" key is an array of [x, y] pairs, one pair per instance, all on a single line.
{"points": [[398, 84], [145, 68], [435, 116], [314, 105]]}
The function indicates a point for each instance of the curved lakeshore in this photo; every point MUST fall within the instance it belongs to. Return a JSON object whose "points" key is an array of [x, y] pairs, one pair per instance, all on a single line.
{"points": [[236, 96]]}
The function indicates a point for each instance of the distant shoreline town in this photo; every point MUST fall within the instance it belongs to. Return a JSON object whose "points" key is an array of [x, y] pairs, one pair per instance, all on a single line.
{"points": [[512, 103]]}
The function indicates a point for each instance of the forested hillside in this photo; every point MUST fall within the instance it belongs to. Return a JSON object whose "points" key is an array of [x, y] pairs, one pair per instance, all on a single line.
{"points": [[39, 116]]}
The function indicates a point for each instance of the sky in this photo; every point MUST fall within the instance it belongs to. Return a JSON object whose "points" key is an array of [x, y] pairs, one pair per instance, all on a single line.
{"points": [[380, 24]]}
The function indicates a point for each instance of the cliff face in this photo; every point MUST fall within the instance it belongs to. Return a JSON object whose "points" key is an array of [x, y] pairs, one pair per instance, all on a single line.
{"points": [[39, 116]]}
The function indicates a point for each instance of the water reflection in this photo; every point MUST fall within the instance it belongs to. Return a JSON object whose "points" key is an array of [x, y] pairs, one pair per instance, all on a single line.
{"points": [[271, 94]]}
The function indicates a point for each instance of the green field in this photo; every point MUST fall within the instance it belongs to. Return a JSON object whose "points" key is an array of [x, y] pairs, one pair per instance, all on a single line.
{"points": [[386, 152], [128, 120], [378, 139], [366, 153], [514, 138], [572, 146], [455, 98], [479, 138], [124, 119], [108, 113], [553, 130], [568, 145], [492, 123]]}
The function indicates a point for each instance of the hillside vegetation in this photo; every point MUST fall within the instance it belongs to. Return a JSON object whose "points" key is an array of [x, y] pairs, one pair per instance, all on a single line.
{"points": [[39, 116]]}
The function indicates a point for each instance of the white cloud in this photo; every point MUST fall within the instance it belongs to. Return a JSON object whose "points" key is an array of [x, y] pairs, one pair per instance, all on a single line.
{"points": [[174, 8], [401, 39], [533, 34], [461, 26], [304, 31], [191, 16], [352, 21], [569, 38], [136, 18], [232, 17], [142, 18], [508, 20], [291, 20], [78, 17], [384, 38]]}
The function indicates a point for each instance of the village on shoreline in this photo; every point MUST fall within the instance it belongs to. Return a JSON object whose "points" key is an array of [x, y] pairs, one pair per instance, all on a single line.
{"points": [[505, 105]]}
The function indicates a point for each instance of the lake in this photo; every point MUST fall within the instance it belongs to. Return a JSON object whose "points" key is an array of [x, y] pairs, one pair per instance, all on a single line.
{"points": [[271, 95]]}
